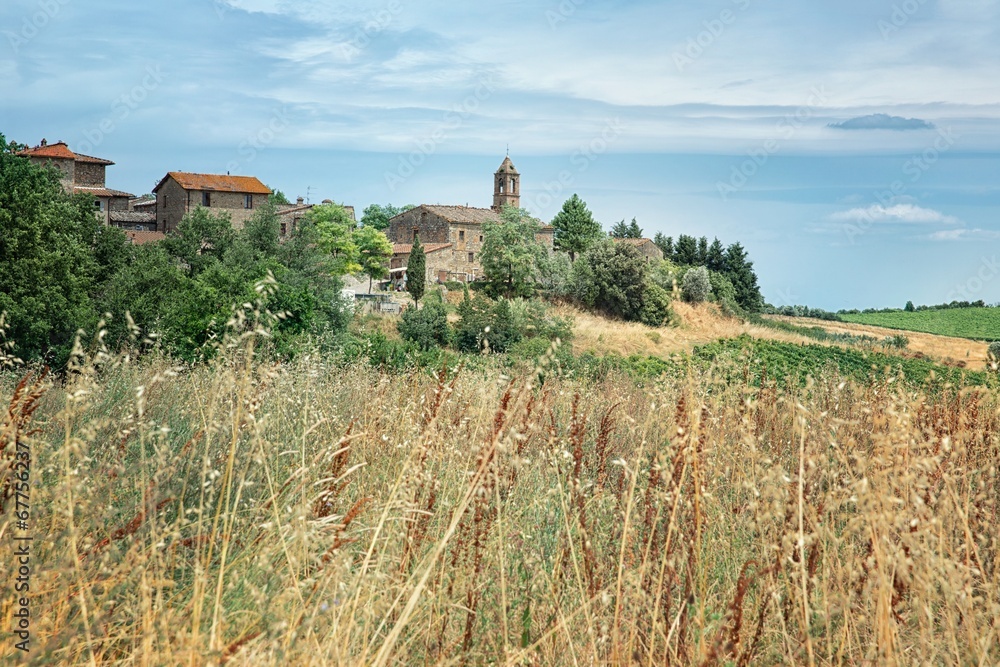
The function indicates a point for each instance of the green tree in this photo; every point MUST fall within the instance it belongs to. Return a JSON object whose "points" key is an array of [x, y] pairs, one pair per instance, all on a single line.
{"points": [[665, 244], [715, 259], [611, 278], [511, 254], [49, 267], [335, 230], [702, 251], [686, 251], [696, 286], [416, 271], [739, 270], [278, 198], [428, 326], [378, 216], [200, 239], [374, 253], [909, 307], [575, 227], [632, 230]]}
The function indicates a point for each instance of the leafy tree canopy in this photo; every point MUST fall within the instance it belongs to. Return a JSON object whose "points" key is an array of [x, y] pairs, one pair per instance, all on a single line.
{"points": [[511, 253], [378, 216]]}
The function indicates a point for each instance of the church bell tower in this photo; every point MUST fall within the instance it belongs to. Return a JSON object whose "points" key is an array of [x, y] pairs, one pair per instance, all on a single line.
{"points": [[506, 186]]}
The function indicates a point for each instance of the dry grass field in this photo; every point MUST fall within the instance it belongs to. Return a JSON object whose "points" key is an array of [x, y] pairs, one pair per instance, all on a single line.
{"points": [[247, 513]]}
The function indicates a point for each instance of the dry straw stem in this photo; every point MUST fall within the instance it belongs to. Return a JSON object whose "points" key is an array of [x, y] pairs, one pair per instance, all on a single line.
{"points": [[315, 513]]}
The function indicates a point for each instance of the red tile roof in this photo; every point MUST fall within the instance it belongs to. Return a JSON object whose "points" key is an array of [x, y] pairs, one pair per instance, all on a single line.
{"points": [[99, 192], [60, 151], [138, 238], [464, 214], [216, 183], [406, 248]]}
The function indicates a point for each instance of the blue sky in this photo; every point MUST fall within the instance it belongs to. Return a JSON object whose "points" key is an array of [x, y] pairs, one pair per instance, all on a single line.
{"points": [[716, 118]]}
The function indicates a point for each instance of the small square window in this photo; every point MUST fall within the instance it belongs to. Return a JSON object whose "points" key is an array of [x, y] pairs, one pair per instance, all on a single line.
{"points": [[480, 238], [206, 199], [472, 257], [461, 235], [284, 228]]}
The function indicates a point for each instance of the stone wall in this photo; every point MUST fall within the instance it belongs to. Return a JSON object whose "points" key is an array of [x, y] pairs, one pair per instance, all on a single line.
{"points": [[89, 174], [66, 167], [433, 228], [173, 201]]}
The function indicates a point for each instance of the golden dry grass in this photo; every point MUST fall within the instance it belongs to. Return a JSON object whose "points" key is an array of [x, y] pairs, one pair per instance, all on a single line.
{"points": [[700, 324], [248, 513]]}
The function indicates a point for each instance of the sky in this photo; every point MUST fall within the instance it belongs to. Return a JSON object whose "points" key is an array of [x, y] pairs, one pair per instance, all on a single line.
{"points": [[853, 148]]}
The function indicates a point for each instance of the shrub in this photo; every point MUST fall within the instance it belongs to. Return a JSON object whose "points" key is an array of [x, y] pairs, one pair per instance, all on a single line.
{"points": [[656, 311], [724, 293], [696, 286], [993, 351], [485, 325], [611, 278], [427, 327]]}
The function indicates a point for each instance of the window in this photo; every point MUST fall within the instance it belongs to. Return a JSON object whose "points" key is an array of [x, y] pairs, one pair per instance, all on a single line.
{"points": [[98, 204], [480, 238], [284, 228], [248, 201], [472, 257], [415, 231], [206, 199], [461, 235]]}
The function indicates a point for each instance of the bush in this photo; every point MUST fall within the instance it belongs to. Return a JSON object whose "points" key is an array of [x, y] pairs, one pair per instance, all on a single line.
{"points": [[724, 294], [533, 320], [993, 351], [427, 327], [611, 278], [656, 311], [696, 286], [485, 326]]}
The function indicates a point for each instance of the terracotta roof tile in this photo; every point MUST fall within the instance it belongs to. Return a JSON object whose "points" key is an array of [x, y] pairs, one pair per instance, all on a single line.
{"points": [[60, 151], [464, 214], [99, 192], [216, 183]]}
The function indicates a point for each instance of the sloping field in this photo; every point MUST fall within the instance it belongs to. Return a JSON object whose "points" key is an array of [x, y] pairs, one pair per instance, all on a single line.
{"points": [[974, 323], [700, 324], [946, 349]]}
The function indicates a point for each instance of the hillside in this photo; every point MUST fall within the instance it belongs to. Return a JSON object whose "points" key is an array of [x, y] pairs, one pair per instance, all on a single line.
{"points": [[950, 350], [972, 323]]}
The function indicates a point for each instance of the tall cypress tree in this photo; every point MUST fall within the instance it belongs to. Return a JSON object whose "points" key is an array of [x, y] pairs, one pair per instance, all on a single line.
{"points": [[416, 271]]}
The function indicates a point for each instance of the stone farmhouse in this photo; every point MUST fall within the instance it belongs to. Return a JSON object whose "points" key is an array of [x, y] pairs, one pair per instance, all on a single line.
{"points": [[82, 174], [291, 215], [646, 247], [456, 232], [180, 192]]}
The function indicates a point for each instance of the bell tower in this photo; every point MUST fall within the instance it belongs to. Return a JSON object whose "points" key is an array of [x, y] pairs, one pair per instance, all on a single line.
{"points": [[506, 186]]}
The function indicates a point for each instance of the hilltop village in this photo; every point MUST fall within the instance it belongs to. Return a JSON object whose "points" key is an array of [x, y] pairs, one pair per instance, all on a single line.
{"points": [[452, 234]]}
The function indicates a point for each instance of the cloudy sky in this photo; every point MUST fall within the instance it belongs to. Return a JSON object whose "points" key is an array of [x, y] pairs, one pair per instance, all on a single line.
{"points": [[852, 147]]}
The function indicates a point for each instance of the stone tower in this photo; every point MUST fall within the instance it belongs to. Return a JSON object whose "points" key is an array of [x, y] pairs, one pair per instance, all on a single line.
{"points": [[506, 186]]}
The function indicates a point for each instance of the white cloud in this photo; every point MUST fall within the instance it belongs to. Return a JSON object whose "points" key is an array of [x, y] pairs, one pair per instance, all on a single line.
{"points": [[964, 234], [904, 213]]}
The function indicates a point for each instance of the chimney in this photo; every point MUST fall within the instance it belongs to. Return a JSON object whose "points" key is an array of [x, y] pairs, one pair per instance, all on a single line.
{"points": [[44, 143], [300, 201]]}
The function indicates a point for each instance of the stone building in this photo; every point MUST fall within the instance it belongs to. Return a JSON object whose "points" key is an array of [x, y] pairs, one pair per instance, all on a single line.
{"points": [[180, 192], [460, 228], [646, 247], [290, 215], [81, 174]]}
